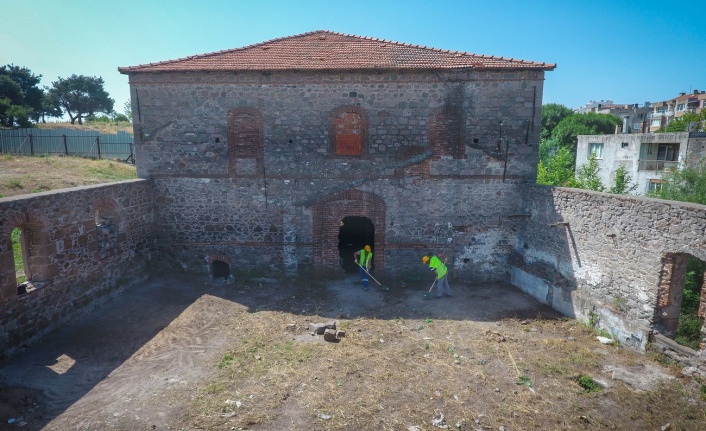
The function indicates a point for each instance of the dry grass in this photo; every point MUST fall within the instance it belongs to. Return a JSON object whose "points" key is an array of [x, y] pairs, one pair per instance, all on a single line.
{"points": [[100, 127], [394, 374], [22, 175]]}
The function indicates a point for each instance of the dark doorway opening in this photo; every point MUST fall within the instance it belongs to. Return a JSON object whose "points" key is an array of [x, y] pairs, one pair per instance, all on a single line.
{"points": [[220, 269], [354, 234]]}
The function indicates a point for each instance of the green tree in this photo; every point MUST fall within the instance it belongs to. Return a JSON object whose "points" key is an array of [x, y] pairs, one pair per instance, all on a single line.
{"points": [[621, 184], [687, 185], [565, 133], [556, 166], [587, 176], [20, 97], [552, 114], [81, 96], [681, 124], [127, 110]]}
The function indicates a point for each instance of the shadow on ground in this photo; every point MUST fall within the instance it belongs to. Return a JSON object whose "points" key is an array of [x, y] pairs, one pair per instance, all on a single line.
{"points": [[155, 344]]}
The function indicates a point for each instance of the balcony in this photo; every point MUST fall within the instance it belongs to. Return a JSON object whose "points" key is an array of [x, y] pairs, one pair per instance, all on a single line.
{"points": [[660, 114], [656, 165]]}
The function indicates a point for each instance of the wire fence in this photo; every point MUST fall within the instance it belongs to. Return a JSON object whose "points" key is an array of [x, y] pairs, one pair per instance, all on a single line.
{"points": [[68, 142]]}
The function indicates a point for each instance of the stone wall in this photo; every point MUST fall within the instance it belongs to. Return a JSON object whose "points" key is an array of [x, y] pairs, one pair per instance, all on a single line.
{"points": [[248, 165], [602, 257], [79, 244]]}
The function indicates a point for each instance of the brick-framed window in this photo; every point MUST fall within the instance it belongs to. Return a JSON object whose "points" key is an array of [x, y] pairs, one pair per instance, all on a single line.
{"points": [[245, 141], [446, 132], [349, 132]]}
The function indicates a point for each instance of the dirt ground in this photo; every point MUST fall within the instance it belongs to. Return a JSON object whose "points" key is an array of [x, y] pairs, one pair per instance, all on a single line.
{"points": [[189, 353]]}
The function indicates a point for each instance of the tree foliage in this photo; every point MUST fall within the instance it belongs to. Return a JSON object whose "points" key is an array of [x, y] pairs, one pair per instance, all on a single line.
{"points": [[681, 124], [81, 96], [687, 184], [587, 176], [565, 133], [556, 165], [621, 183], [552, 114], [20, 96]]}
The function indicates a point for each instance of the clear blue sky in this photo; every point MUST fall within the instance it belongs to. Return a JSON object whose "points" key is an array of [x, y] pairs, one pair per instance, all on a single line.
{"points": [[625, 51]]}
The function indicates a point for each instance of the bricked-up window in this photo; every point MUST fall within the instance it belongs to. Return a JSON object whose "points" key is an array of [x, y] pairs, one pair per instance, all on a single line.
{"points": [[245, 141], [348, 135], [446, 132], [107, 222], [349, 125]]}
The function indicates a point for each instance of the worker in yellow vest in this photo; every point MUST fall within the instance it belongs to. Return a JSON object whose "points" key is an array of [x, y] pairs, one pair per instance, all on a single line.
{"points": [[441, 271], [363, 258]]}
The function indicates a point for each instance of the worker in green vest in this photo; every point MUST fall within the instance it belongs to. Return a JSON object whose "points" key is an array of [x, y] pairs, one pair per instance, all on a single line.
{"points": [[441, 271], [363, 258]]}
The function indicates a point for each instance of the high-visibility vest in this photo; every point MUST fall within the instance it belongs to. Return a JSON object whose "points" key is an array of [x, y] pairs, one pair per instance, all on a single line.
{"points": [[436, 264], [365, 257]]}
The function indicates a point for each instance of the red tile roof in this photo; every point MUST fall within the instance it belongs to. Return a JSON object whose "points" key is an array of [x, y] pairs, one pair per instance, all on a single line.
{"points": [[327, 50]]}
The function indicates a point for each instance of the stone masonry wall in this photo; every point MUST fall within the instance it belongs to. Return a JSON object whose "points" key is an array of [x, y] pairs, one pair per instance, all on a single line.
{"points": [[245, 164], [600, 256], [81, 244]]}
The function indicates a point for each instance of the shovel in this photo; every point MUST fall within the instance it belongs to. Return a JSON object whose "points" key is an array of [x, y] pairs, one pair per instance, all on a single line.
{"points": [[426, 295], [371, 276]]}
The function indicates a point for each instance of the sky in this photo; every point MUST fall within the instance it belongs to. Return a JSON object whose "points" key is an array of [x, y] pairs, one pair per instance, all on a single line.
{"points": [[625, 51]]}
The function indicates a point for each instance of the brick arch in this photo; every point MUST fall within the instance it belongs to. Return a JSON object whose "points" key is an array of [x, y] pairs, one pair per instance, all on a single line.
{"points": [[670, 293], [36, 251], [446, 132], [327, 215], [220, 257], [107, 234], [345, 124], [246, 141]]}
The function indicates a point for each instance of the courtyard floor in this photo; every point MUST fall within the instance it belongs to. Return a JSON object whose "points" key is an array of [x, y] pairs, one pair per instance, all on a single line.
{"points": [[190, 353]]}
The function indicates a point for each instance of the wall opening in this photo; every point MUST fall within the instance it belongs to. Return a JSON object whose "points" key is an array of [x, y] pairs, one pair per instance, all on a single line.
{"points": [[354, 234], [19, 254], [681, 305], [220, 269]]}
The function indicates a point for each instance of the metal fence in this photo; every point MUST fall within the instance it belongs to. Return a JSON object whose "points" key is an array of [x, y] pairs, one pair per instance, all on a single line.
{"points": [[68, 142]]}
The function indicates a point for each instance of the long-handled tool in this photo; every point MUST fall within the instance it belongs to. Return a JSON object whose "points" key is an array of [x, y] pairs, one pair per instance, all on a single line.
{"points": [[371, 276], [426, 295]]}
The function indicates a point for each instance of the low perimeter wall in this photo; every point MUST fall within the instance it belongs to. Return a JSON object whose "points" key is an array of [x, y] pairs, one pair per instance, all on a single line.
{"points": [[616, 261], [78, 245]]}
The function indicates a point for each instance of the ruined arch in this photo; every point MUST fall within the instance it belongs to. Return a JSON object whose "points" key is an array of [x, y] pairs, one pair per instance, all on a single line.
{"points": [[327, 215], [35, 242], [246, 142], [446, 132], [670, 294]]}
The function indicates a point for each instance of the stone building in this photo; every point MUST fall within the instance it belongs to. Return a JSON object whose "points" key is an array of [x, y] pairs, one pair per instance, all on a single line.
{"points": [[646, 156], [293, 153], [286, 156]]}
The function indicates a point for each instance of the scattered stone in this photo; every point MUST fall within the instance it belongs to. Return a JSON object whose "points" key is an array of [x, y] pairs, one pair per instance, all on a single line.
{"points": [[439, 421], [605, 340], [317, 328], [414, 428], [341, 333], [324, 416], [666, 427], [330, 324], [330, 335], [641, 377]]}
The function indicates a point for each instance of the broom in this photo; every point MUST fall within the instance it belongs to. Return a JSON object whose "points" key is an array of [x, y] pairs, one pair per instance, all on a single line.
{"points": [[426, 295], [371, 276]]}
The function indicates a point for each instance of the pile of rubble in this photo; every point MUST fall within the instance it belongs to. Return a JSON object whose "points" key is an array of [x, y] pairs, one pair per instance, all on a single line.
{"points": [[328, 330]]}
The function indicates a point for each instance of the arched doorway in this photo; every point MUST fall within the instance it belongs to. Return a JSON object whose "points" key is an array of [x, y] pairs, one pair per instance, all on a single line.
{"points": [[354, 234], [330, 211]]}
